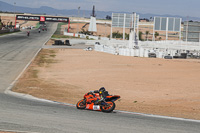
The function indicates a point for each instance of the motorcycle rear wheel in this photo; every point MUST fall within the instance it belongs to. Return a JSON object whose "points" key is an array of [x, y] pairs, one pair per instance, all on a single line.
{"points": [[81, 104], [108, 108]]}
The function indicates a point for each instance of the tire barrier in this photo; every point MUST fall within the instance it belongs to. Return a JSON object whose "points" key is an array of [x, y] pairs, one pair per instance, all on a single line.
{"points": [[60, 42]]}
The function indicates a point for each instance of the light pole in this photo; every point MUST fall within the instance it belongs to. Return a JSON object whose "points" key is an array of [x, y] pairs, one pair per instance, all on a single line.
{"points": [[187, 29], [105, 29], [78, 20], [15, 13], [15, 7]]}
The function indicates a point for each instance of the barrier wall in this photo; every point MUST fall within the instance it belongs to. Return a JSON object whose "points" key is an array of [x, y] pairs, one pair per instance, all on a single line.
{"points": [[131, 52], [8, 31], [161, 49], [121, 47]]}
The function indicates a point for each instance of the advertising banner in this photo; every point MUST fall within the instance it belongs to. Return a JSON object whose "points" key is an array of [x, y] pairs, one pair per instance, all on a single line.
{"points": [[29, 18], [57, 19], [42, 18]]}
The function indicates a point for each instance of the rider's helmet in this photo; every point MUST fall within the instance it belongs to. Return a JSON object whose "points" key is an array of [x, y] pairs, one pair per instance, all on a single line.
{"points": [[101, 90]]}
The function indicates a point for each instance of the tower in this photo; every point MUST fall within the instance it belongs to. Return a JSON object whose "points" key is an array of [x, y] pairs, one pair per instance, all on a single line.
{"points": [[92, 26], [93, 12]]}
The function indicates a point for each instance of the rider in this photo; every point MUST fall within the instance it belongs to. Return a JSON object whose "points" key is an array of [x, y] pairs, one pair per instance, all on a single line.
{"points": [[102, 93], [28, 33]]}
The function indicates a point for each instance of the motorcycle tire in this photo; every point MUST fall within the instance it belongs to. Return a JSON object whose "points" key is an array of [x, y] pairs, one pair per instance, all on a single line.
{"points": [[81, 104], [109, 108]]}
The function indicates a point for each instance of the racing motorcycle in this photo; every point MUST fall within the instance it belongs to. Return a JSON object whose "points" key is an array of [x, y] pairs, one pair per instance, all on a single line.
{"points": [[28, 33], [91, 102]]}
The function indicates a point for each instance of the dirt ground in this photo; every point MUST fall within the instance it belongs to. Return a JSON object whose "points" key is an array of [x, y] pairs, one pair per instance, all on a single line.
{"points": [[104, 30], [146, 85]]}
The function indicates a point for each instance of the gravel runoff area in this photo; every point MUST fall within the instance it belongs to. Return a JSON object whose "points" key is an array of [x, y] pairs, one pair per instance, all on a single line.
{"points": [[146, 85]]}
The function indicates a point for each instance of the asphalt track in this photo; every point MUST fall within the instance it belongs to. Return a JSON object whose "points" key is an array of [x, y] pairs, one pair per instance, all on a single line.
{"points": [[22, 114]]}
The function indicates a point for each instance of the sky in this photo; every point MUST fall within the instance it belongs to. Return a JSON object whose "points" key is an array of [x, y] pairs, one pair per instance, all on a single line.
{"points": [[161, 7]]}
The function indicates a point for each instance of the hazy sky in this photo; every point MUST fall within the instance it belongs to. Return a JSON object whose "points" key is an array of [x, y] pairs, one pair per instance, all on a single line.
{"points": [[172, 7]]}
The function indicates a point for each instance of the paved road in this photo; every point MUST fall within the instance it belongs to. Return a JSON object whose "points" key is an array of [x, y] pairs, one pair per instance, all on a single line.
{"points": [[16, 50], [20, 114], [33, 116]]}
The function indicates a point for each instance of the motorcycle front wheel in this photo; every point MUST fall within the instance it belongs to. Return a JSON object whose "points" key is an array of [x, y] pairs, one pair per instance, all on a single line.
{"points": [[109, 107], [81, 104]]}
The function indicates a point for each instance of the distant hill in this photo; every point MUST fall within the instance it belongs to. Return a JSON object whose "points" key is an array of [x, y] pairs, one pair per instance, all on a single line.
{"points": [[74, 12]]}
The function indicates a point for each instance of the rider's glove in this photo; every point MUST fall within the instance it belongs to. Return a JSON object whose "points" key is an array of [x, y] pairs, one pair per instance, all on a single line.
{"points": [[101, 99]]}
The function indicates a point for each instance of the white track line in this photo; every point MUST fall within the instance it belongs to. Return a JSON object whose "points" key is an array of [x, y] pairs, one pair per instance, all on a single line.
{"points": [[158, 116]]}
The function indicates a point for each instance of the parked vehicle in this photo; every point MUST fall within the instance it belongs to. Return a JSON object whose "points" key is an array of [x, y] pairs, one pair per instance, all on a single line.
{"points": [[168, 57], [152, 55]]}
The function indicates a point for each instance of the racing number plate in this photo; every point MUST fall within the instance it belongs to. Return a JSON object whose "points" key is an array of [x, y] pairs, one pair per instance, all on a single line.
{"points": [[96, 107]]}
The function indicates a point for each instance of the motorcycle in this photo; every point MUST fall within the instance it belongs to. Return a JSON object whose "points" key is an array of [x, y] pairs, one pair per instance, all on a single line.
{"points": [[28, 33], [91, 102]]}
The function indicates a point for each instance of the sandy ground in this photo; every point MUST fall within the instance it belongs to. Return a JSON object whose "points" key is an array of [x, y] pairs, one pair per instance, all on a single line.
{"points": [[146, 85], [105, 29]]}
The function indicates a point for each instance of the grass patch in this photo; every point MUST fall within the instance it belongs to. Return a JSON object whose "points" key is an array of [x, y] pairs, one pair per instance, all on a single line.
{"points": [[52, 51], [37, 25], [45, 58], [30, 82], [62, 36], [58, 31], [53, 55], [33, 73]]}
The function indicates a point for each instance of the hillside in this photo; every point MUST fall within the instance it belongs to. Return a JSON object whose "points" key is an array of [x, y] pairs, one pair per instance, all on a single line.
{"points": [[74, 12]]}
